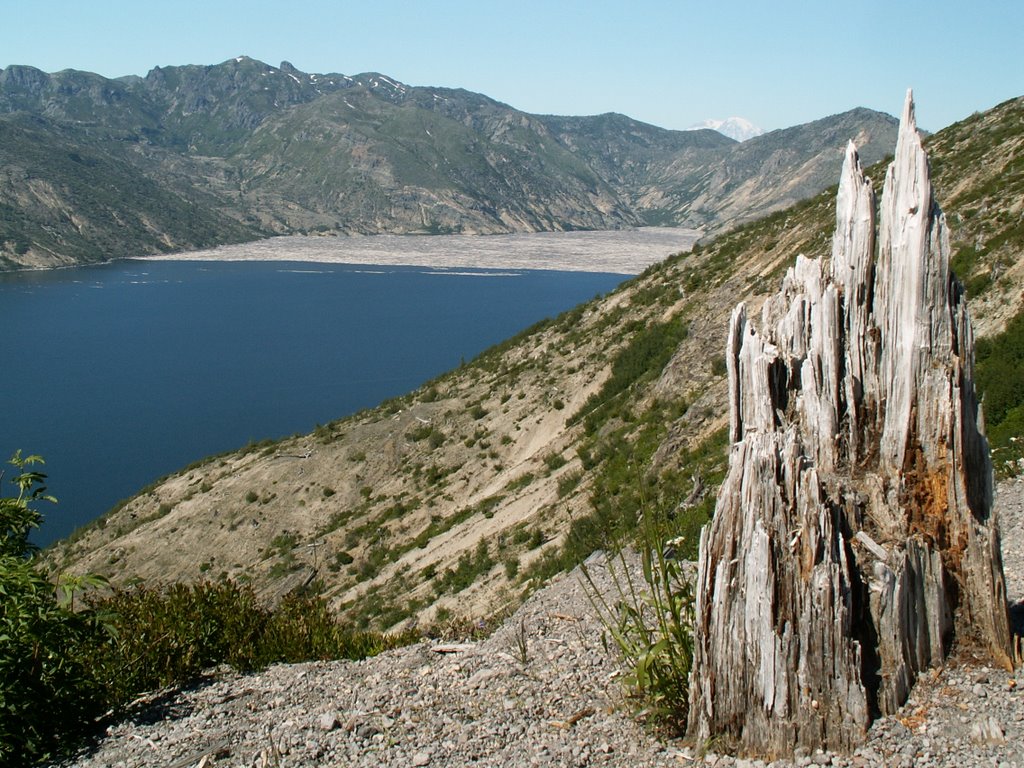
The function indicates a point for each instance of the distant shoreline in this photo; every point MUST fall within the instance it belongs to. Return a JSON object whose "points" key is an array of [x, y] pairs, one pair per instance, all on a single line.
{"points": [[626, 252]]}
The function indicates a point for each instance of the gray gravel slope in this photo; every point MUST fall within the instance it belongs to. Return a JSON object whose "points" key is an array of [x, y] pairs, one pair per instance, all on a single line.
{"points": [[541, 691]]}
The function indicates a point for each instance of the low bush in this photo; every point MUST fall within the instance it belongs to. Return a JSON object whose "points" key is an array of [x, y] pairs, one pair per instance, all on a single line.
{"points": [[642, 358], [62, 670], [469, 567], [49, 696], [555, 461], [651, 624], [1000, 379]]}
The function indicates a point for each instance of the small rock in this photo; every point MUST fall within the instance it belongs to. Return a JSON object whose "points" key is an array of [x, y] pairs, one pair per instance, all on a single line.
{"points": [[988, 731], [421, 759], [367, 731], [328, 721]]}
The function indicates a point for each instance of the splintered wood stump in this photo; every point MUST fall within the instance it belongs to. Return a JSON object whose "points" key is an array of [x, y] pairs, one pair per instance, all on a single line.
{"points": [[853, 539]]}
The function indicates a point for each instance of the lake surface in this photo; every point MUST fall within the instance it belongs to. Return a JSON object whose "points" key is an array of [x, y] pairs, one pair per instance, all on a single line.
{"points": [[119, 374]]}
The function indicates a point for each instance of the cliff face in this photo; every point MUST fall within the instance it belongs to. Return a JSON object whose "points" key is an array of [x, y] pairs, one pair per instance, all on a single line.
{"points": [[853, 539]]}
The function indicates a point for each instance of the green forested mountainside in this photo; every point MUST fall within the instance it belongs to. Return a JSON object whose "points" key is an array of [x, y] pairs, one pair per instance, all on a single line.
{"points": [[460, 496], [247, 149], [62, 202]]}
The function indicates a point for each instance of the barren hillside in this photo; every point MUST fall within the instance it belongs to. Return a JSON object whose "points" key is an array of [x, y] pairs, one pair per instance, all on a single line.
{"points": [[456, 498]]}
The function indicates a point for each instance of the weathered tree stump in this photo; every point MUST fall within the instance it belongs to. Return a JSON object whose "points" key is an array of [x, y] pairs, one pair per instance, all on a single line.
{"points": [[853, 538]]}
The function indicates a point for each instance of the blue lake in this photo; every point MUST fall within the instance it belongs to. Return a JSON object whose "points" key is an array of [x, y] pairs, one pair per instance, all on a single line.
{"points": [[119, 374]]}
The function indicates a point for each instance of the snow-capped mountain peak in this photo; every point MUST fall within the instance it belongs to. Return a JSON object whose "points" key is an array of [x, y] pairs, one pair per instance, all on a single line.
{"points": [[738, 128]]}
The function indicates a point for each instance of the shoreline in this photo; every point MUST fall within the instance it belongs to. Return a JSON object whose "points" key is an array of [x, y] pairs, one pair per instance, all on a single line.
{"points": [[626, 252]]}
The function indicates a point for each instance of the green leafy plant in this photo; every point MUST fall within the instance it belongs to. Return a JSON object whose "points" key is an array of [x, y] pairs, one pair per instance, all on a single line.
{"points": [[47, 693], [17, 517], [168, 635], [519, 644], [999, 373], [651, 625], [468, 569], [555, 461], [62, 670]]}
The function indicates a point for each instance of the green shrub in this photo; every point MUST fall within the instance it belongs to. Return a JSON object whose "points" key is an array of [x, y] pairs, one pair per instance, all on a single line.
{"points": [[169, 635], [555, 461], [420, 432], [641, 359], [567, 483], [1000, 379], [48, 693], [61, 670], [652, 626], [511, 568], [341, 558], [522, 481], [469, 567], [284, 542]]}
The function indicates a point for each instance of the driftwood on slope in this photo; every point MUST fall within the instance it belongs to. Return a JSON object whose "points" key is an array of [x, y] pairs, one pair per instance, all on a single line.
{"points": [[853, 538]]}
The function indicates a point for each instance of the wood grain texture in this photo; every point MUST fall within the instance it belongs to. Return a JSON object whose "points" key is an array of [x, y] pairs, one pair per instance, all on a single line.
{"points": [[853, 539]]}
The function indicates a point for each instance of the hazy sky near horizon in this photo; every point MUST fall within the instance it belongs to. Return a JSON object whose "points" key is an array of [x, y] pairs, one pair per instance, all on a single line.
{"points": [[672, 63]]}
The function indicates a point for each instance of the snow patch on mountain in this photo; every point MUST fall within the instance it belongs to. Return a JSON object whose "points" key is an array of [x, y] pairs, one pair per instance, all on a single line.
{"points": [[738, 128]]}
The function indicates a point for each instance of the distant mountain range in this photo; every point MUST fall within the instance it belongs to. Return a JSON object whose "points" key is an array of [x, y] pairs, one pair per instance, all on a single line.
{"points": [[738, 128], [192, 156]]}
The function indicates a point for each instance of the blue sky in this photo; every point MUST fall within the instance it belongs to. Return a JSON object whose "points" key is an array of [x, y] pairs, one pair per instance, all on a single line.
{"points": [[775, 62]]}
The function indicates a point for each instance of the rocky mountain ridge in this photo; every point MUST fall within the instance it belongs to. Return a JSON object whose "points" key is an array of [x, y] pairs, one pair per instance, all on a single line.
{"points": [[457, 498], [192, 156]]}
